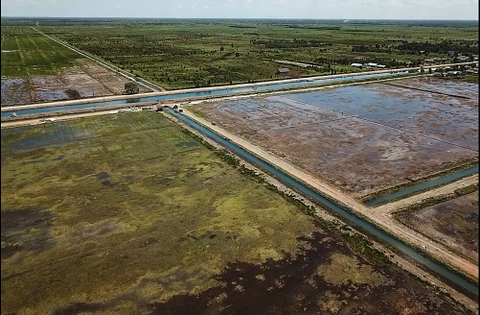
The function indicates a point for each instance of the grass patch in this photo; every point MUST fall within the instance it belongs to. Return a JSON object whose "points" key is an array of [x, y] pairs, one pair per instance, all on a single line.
{"points": [[25, 53], [134, 198], [361, 246]]}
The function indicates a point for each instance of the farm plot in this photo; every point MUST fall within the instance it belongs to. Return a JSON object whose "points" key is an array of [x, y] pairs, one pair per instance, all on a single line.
{"points": [[36, 69], [126, 214], [359, 138], [451, 119], [453, 223]]}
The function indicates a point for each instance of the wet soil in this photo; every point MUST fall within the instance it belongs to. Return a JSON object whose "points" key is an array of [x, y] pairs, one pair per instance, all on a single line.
{"points": [[83, 80], [453, 223], [15, 91], [50, 135], [346, 136], [25, 230]]}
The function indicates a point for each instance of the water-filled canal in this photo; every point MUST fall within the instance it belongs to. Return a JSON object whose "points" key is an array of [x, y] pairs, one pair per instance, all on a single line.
{"points": [[436, 267], [421, 186], [257, 88]]}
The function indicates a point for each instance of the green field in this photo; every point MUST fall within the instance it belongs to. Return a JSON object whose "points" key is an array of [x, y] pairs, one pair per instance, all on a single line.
{"points": [[98, 189], [206, 53], [127, 214], [28, 53]]}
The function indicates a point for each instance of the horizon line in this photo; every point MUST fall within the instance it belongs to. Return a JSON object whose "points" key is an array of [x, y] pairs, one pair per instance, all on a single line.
{"points": [[237, 18]]}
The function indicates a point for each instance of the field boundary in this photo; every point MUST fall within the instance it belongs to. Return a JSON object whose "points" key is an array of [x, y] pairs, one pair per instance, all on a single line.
{"points": [[142, 82]]}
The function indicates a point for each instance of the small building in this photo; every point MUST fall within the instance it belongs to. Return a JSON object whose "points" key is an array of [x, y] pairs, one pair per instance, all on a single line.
{"points": [[372, 64], [381, 66], [356, 65], [283, 71]]}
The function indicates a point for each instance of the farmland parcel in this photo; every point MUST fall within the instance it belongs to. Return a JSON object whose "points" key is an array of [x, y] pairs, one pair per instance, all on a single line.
{"points": [[361, 139], [126, 214], [36, 69]]}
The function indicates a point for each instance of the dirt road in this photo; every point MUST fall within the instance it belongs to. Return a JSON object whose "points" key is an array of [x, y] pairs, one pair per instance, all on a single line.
{"points": [[142, 82], [61, 117], [392, 207], [222, 87], [437, 251]]}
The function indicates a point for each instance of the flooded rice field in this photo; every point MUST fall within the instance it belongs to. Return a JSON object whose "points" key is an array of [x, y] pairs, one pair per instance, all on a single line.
{"points": [[28, 139], [359, 138], [127, 214], [453, 223], [447, 118], [452, 87]]}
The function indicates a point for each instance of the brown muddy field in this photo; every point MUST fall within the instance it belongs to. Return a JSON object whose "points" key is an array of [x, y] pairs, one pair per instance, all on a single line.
{"points": [[453, 223], [359, 138], [126, 214], [85, 79]]}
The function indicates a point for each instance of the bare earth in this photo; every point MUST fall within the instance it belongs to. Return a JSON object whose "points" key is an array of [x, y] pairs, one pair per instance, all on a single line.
{"points": [[87, 78], [453, 223]]}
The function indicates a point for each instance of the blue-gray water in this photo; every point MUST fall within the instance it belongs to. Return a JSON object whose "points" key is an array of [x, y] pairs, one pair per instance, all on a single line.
{"points": [[197, 94], [436, 267], [421, 186]]}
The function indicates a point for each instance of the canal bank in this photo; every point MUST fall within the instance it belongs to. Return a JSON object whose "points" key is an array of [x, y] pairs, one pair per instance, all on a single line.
{"points": [[194, 93], [454, 277], [408, 190]]}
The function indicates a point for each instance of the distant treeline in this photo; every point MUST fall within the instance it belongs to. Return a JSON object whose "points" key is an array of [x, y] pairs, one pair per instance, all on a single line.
{"points": [[283, 43], [328, 28], [415, 48], [242, 26]]}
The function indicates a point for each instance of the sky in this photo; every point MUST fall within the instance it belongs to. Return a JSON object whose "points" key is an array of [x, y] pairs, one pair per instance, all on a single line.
{"points": [[305, 9]]}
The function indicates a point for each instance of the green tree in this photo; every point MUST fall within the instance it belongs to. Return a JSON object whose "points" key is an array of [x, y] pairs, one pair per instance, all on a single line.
{"points": [[131, 88]]}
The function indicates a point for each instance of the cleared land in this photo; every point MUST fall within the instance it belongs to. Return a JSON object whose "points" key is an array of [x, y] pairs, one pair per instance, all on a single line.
{"points": [[453, 223], [197, 53], [36, 69], [359, 138], [124, 214]]}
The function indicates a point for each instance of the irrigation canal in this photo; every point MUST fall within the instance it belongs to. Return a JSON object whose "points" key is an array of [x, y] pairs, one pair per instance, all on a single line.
{"points": [[451, 275], [403, 192], [256, 88]]}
